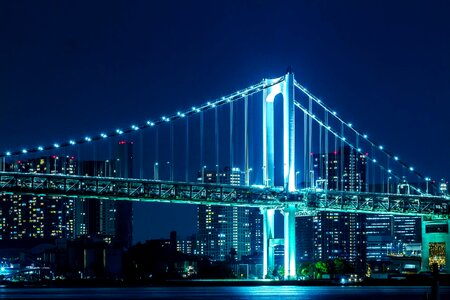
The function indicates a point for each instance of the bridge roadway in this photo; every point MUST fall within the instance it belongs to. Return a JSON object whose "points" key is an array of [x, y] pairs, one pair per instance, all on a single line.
{"points": [[306, 201]]}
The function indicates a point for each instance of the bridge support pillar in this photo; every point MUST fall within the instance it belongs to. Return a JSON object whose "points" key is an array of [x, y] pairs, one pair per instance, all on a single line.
{"points": [[435, 243], [289, 243], [268, 236]]}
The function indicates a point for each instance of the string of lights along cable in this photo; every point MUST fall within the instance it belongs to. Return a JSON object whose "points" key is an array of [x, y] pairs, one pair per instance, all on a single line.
{"points": [[237, 133]]}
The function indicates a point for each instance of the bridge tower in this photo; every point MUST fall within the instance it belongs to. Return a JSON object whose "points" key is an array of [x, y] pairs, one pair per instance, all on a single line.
{"points": [[286, 89]]}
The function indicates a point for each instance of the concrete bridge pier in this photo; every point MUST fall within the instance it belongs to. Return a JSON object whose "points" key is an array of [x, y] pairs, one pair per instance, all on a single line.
{"points": [[268, 236], [289, 243]]}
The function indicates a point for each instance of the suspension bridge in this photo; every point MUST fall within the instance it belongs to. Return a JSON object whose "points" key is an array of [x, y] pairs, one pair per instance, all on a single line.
{"points": [[296, 155]]}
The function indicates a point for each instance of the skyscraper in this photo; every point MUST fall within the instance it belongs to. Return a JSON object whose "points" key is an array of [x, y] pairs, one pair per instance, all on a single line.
{"points": [[335, 234], [110, 220], [24, 217], [221, 228]]}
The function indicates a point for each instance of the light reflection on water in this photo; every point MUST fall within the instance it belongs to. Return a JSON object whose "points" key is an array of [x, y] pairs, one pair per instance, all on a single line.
{"points": [[227, 293]]}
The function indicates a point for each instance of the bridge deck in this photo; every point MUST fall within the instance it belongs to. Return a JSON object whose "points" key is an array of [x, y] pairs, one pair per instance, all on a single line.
{"points": [[307, 201]]}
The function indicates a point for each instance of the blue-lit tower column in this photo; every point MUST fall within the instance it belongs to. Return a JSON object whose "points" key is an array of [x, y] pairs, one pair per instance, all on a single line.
{"points": [[268, 236], [286, 88]]}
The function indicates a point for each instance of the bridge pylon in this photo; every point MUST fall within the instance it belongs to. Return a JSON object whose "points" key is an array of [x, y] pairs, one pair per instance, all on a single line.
{"points": [[286, 89]]}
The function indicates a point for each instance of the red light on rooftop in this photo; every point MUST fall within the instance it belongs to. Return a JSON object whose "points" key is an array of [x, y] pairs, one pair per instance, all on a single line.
{"points": [[53, 156], [72, 157], [367, 153], [122, 143], [334, 152], [312, 153]]}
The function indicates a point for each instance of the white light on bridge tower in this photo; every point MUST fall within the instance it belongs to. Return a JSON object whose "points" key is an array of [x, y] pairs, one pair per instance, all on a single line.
{"points": [[286, 89]]}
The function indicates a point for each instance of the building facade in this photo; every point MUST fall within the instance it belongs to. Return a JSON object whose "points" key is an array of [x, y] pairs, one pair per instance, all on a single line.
{"points": [[221, 228], [25, 217]]}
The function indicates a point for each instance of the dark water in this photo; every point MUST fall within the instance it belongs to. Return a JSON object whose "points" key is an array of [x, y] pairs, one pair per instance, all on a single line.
{"points": [[218, 293]]}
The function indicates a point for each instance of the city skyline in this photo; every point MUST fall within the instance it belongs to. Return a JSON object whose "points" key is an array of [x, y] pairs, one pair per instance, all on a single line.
{"points": [[60, 73]]}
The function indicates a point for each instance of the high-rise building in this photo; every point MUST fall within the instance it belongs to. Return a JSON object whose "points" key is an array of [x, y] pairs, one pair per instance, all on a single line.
{"points": [[24, 217], [221, 228], [356, 237], [110, 220], [335, 234]]}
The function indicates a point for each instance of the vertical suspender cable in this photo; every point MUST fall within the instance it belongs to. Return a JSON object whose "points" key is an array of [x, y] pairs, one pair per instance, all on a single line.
{"points": [[186, 175], [335, 165], [357, 165], [216, 134], [305, 147], [201, 145], [156, 165], [327, 159], [172, 152], [231, 137], [320, 155], [247, 175], [341, 159], [141, 155], [310, 163]]}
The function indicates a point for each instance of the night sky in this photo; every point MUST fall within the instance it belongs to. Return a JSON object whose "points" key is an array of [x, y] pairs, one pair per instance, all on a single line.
{"points": [[71, 69]]}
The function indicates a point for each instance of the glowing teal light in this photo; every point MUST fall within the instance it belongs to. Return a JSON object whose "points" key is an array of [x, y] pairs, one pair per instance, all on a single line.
{"points": [[72, 142], [8, 153], [134, 127], [359, 149], [350, 125], [374, 160], [411, 168], [396, 157], [56, 145], [365, 136], [427, 178], [334, 113], [88, 139], [389, 171], [24, 151], [381, 147], [103, 135], [119, 131], [40, 148]]}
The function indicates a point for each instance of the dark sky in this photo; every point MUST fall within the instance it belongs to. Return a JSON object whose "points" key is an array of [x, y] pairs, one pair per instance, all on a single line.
{"points": [[70, 69]]}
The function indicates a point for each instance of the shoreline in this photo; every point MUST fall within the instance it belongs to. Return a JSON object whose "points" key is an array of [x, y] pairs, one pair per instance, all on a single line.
{"points": [[444, 280]]}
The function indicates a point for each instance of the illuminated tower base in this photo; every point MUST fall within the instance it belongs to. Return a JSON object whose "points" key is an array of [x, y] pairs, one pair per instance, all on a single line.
{"points": [[268, 236], [435, 244], [289, 243]]}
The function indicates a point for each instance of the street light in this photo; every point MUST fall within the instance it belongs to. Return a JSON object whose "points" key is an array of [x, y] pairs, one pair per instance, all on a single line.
{"points": [[217, 174], [427, 179], [203, 174], [156, 171]]}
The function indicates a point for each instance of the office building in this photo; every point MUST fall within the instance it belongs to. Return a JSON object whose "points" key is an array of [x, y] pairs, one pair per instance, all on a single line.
{"points": [[109, 220], [221, 228], [25, 217]]}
